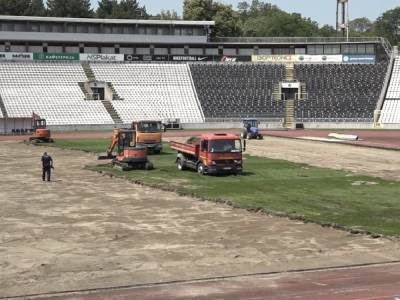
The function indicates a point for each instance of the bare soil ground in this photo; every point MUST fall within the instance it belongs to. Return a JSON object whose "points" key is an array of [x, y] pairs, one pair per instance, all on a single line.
{"points": [[85, 230], [367, 161]]}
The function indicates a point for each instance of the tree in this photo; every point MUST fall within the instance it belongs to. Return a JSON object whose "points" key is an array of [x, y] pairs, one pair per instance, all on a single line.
{"points": [[226, 21], [36, 8], [203, 10], [388, 25], [168, 15], [360, 26], [106, 9], [327, 31], [14, 7], [70, 8], [124, 9]]}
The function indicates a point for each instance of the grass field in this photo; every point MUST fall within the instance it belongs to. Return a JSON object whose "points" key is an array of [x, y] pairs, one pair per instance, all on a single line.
{"points": [[314, 194]]}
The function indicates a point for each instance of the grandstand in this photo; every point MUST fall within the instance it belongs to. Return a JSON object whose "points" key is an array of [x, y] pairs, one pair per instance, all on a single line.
{"points": [[51, 90], [391, 106], [339, 92], [175, 70], [151, 91], [234, 91]]}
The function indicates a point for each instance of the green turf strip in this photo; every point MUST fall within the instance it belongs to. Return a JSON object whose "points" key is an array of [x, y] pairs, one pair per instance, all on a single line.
{"points": [[319, 195]]}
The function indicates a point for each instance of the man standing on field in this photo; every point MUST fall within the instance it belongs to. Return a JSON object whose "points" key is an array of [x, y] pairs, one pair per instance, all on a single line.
{"points": [[47, 165]]}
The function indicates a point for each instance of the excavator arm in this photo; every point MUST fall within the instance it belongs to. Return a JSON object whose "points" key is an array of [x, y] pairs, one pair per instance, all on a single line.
{"points": [[111, 147]]}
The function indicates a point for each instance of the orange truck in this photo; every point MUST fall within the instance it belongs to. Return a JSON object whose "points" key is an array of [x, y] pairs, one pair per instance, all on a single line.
{"points": [[149, 135], [213, 153]]}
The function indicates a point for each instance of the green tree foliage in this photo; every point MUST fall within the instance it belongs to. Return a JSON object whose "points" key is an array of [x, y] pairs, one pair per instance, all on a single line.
{"points": [[166, 15], [70, 8], [264, 19], [361, 25], [388, 25], [106, 9], [124, 9], [36, 8], [198, 10], [227, 22], [14, 7]]}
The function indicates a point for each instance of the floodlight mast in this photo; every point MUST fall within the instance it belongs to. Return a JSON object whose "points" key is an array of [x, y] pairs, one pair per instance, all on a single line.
{"points": [[342, 17]]}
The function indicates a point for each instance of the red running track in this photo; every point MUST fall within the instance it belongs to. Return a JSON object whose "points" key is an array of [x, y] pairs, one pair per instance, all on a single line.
{"points": [[369, 138], [363, 283]]}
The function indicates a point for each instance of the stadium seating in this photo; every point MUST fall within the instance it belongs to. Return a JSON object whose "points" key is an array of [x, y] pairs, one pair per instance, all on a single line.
{"points": [[339, 91], [234, 91], [151, 91], [50, 89], [391, 107]]}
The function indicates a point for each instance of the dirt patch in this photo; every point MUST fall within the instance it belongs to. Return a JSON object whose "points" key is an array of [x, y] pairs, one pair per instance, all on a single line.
{"points": [[361, 160], [85, 230]]}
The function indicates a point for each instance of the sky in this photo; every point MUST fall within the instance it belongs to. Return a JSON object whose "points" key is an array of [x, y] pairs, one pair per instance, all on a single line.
{"points": [[322, 11]]}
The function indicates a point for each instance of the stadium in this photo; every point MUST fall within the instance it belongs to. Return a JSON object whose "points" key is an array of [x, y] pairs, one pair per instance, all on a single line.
{"points": [[304, 204]]}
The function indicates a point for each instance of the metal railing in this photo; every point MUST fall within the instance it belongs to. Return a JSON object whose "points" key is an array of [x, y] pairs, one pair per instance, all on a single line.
{"points": [[297, 40]]}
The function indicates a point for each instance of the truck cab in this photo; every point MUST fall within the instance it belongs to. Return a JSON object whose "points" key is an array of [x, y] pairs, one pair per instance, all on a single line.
{"points": [[149, 134], [211, 154]]}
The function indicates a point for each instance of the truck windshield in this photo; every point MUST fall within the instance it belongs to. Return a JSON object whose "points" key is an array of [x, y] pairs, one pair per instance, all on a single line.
{"points": [[225, 146], [149, 127]]}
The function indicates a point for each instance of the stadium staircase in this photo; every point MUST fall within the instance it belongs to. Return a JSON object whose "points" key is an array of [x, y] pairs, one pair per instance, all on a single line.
{"points": [[84, 91], [289, 107], [3, 108], [276, 95], [115, 94], [289, 114], [112, 112], [88, 71], [289, 72]]}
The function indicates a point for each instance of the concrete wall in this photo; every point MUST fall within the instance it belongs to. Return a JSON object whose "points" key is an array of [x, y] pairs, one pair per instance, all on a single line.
{"points": [[10, 124], [344, 125]]}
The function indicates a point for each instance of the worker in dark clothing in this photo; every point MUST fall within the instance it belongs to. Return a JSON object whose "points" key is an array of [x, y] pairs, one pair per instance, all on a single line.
{"points": [[47, 165]]}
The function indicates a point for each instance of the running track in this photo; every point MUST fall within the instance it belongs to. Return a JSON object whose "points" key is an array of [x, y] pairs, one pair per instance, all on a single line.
{"points": [[379, 282]]}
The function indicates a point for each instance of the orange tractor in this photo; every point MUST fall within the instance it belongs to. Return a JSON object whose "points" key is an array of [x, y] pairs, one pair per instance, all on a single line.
{"points": [[41, 132], [129, 155]]}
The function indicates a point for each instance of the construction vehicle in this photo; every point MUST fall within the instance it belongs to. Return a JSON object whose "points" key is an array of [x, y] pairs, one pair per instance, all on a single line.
{"points": [[41, 134], [149, 135], [129, 155], [213, 153], [250, 129]]}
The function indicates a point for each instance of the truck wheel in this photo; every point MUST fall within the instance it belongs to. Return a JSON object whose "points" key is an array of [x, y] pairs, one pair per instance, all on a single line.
{"points": [[180, 164], [148, 166], [200, 169]]}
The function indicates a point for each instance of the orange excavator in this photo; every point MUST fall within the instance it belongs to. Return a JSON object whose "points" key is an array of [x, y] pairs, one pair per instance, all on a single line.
{"points": [[41, 132], [129, 155]]}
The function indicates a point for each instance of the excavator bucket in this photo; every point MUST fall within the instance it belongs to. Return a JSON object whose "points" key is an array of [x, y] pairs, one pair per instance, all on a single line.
{"points": [[107, 156]]}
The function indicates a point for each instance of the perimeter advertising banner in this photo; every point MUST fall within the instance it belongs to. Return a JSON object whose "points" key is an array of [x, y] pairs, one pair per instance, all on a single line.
{"points": [[56, 56], [274, 58], [16, 56], [101, 57], [298, 58], [359, 59], [319, 58], [188, 58]]}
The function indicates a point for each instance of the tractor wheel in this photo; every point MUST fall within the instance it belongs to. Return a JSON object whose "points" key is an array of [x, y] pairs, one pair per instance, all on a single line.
{"points": [[259, 137], [180, 164], [200, 169]]}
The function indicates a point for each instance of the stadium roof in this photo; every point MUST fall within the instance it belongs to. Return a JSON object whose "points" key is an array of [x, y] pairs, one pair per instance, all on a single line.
{"points": [[106, 21]]}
